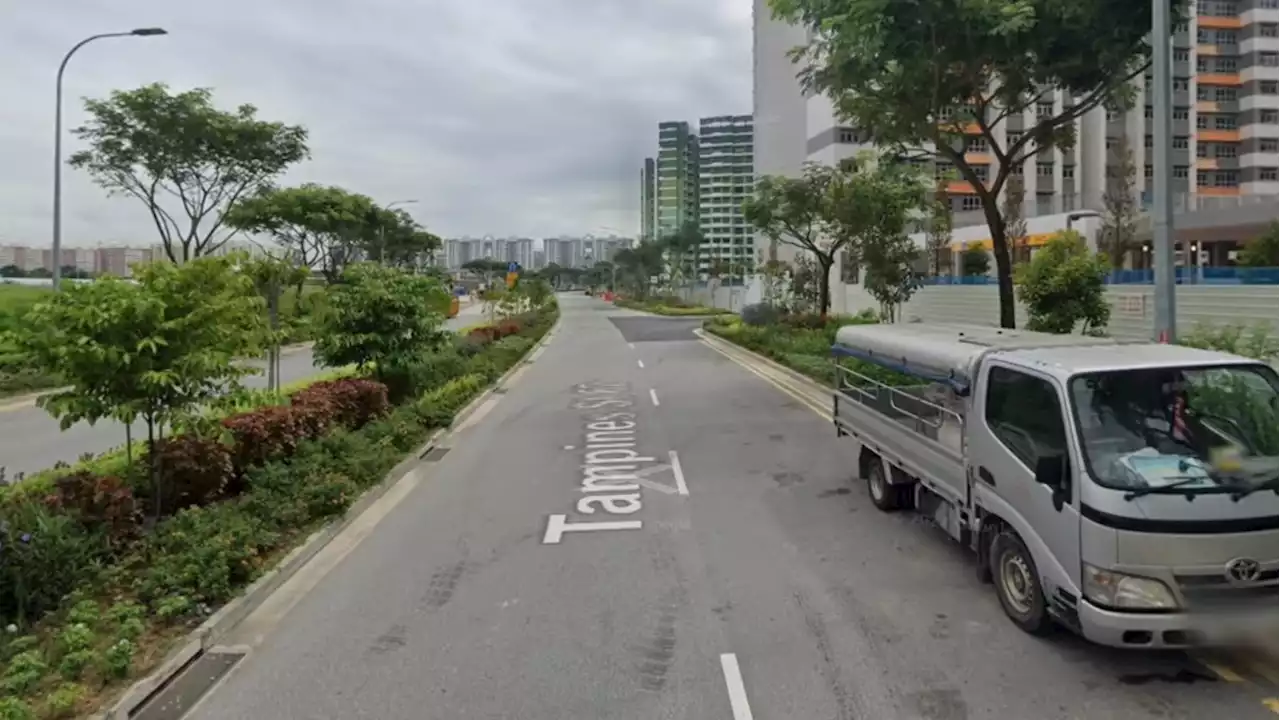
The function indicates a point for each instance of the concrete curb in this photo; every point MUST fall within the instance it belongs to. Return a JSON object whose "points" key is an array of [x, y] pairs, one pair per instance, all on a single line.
{"points": [[798, 378], [227, 617]]}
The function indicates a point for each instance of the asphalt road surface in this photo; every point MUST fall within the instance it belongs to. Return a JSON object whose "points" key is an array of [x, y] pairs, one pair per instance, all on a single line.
{"points": [[749, 578], [30, 440]]}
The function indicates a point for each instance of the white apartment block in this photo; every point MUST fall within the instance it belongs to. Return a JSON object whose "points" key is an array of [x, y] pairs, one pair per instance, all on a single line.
{"points": [[725, 181], [578, 252], [1224, 120]]}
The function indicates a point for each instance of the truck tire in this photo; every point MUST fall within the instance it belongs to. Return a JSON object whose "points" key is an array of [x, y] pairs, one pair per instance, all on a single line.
{"points": [[884, 495], [1018, 584]]}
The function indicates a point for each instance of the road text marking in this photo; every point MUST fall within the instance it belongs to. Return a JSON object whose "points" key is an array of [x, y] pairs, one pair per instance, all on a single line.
{"points": [[653, 395], [557, 527], [737, 691], [640, 363], [678, 472]]}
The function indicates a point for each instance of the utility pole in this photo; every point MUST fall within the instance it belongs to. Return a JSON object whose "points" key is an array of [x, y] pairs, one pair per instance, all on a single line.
{"points": [[1165, 274]]}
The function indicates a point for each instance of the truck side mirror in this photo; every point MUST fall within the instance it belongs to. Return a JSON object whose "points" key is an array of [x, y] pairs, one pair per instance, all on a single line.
{"points": [[1049, 471]]}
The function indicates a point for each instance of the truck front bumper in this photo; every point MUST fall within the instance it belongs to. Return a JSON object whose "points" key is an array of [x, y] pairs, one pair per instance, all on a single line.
{"points": [[1178, 630]]}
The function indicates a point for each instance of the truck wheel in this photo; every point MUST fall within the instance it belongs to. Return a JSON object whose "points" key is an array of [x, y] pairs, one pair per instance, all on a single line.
{"points": [[884, 495], [1018, 584]]}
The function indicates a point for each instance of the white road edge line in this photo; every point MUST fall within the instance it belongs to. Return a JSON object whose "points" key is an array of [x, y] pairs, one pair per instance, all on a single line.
{"points": [[640, 363], [653, 395], [737, 691], [678, 472]]}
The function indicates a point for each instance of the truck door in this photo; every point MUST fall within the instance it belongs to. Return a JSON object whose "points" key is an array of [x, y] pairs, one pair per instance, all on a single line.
{"points": [[1023, 418]]}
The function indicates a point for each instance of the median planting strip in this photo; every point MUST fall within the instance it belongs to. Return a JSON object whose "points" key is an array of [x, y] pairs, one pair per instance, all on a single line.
{"points": [[93, 595]]}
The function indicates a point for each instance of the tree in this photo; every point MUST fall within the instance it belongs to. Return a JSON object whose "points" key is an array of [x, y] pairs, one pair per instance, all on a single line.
{"points": [[890, 275], [1119, 204], [793, 211], [271, 277], [313, 223], [183, 158], [154, 350], [1262, 251], [682, 248], [1064, 286], [381, 319], [1015, 225], [975, 260], [922, 77], [938, 232], [638, 265], [12, 271]]}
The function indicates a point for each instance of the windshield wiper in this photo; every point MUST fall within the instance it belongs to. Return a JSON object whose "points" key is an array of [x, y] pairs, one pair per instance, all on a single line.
{"points": [[1172, 488], [1244, 492]]}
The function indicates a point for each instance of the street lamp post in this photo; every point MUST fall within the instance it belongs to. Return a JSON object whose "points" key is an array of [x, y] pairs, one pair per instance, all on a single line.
{"points": [[1162, 206], [382, 234], [57, 141]]}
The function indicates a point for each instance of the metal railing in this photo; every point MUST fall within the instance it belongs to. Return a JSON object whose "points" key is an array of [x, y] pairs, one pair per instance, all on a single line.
{"points": [[908, 409]]}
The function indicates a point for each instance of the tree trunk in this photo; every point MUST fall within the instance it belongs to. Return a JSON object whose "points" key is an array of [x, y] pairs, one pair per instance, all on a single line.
{"points": [[153, 469], [1004, 268], [824, 284]]}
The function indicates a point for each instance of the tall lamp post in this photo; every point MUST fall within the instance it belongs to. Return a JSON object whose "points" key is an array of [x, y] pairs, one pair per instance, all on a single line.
{"points": [[382, 234], [1162, 206], [57, 142]]}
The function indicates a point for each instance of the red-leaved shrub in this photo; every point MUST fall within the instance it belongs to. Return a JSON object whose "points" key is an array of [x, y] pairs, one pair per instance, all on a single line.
{"points": [[352, 402], [101, 503], [193, 470], [507, 328], [268, 432]]}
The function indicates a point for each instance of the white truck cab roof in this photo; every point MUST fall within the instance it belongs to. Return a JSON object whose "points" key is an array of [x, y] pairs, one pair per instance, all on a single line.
{"points": [[951, 353]]}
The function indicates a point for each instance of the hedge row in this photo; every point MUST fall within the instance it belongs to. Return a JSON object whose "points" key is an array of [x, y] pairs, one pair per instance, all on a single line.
{"points": [[93, 593]]}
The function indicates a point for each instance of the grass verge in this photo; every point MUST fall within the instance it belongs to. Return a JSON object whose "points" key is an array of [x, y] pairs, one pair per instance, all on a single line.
{"points": [[129, 591], [670, 310]]}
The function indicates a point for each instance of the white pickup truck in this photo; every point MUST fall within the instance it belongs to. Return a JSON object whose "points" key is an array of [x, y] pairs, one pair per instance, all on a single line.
{"points": [[1124, 490]]}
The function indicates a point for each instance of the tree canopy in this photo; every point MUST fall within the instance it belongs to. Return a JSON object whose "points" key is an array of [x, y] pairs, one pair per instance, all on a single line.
{"points": [[920, 77], [315, 224], [1063, 286], [187, 161]]}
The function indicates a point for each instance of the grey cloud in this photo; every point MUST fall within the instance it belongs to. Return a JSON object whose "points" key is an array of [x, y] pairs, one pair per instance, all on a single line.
{"points": [[500, 116]]}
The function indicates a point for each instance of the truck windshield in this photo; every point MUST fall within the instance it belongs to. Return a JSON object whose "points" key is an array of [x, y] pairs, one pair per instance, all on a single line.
{"points": [[1199, 429]]}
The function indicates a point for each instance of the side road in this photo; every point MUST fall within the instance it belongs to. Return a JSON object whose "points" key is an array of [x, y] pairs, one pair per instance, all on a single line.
{"points": [[639, 527], [31, 441]]}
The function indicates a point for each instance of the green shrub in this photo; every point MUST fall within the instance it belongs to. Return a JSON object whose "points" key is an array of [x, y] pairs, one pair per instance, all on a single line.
{"points": [[44, 554], [760, 314], [23, 672], [62, 702], [1254, 342], [12, 708], [426, 374]]}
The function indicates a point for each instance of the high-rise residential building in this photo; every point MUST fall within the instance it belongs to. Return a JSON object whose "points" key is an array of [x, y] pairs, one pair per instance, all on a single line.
{"points": [[677, 177], [1224, 122], [648, 200], [725, 181]]}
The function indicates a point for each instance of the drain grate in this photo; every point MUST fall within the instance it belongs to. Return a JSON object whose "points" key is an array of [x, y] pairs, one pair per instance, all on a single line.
{"points": [[434, 454], [181, 693]]}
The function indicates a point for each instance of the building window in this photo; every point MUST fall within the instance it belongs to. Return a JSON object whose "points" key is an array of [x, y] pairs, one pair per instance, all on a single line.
{"points": [[1181, 113], [1202, 92], [1203, 179], [1268, 116], [1148, 142], [1202, 122], [845, 136], [1016, 170], [1224, 150], [1068, 172], [983, 172], [1227, 178], [1044, 110], [1180, 142], [1269, 145], [1013, 136], [976, 145], [969, 203], [1181, 84], [1181, 54], [1268, 87], [1226, 64], [1148, 112], [1180, 171], [1203, 36], [1112, 142], [1044, 169], [1268, 59], [1269, 30], [1225, 37], [1112, 115], [1268, 4], [1224, 94], [1202, 150], [1268, 174], [1224, 122], [1148, 171]]}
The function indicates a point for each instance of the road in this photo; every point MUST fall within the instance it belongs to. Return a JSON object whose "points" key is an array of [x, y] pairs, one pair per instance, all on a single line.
{"points": [[30, 440], [750, 578]]}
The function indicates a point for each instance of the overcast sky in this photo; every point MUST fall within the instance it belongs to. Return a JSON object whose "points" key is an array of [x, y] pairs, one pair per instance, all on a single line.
{"points": [[510, 117]]}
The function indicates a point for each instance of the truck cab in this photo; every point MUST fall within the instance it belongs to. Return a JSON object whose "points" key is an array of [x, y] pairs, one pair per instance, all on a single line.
{"points": [[1124, 490]]}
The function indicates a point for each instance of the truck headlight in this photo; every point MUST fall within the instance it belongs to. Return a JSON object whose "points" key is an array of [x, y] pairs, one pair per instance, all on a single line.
{"points": [[1117, 590]]}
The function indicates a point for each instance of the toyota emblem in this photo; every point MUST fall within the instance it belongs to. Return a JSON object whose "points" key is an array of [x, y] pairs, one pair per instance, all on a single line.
{"points": [[1243, 571]]}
